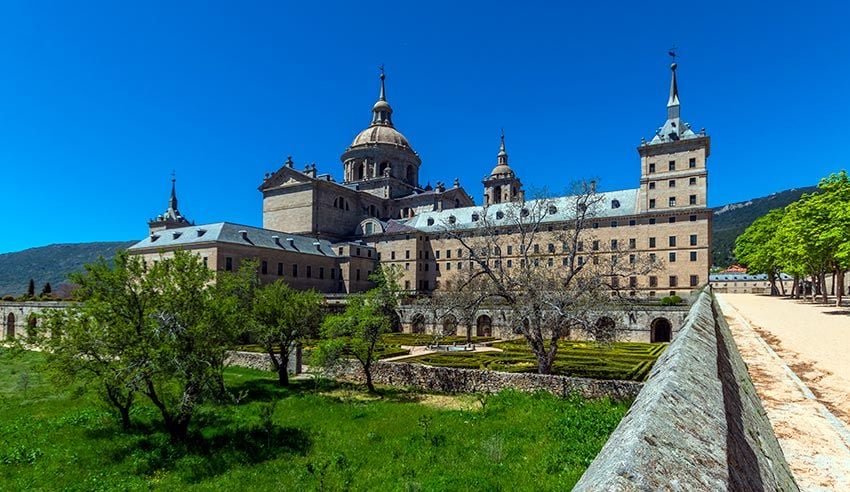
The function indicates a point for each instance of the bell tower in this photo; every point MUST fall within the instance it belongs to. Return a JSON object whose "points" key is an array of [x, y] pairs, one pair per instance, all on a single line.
{"points": [[502, 185]]}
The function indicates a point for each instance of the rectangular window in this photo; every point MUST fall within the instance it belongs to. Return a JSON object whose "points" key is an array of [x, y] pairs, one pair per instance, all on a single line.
{"points": [[427, 255], [536, 248], [549, 262], [652, 185], [407, 254], [615, 282], [448, 253], [333, 273], [437, 254], [652, 257], [357, 274], [595, 246], [280, 269], [632, 259], [581, 260], [694, 280], [692, 200], [671, 166], [653, 281], [692, 181], [358, 251], [693, 239], [671, 201], [632, 222], [448, 266], [674, 281], [426, 267], [652, 221], [652, 167], [321, 272], [595, 260], [420, 254], [613, 223], [632, 243], [652, 242], [693, 218], [228, 264], [614, 245], [407, 266], [392, 255], [407, 285], [672, 257], [671, 183], [294, 269], [652, 203], [551, 248], [510, 249], [595, 225], [692, 162], [671, 241], [264, 267], [309, 271], [632, 282], [693, 256], [510, 263], [460, 265], [671, 220], [565, 261], [460, 253], [580, 246], [340, 251]]}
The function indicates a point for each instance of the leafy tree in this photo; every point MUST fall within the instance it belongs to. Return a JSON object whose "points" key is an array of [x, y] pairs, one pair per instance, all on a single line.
{"points": [[758, 250], [160, 331], [282, 318], [356, 332]]}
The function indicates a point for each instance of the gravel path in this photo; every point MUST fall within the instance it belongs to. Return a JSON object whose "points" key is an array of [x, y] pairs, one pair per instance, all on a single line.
{"points": [[797, 356]]}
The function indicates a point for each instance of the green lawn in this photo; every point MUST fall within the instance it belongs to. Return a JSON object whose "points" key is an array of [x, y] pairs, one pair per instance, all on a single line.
{"points": [[325, 436], [621, 360]]}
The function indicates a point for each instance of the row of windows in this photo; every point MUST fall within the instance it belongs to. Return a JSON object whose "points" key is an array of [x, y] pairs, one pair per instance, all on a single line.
{"points": [[671, 202], [308, 270], [671, 165], [692, 181], [509, 263], [357, 252]]}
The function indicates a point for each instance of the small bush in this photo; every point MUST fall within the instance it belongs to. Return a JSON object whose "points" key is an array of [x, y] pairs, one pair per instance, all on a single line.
{"points": [[671, 301], [8, 298]]}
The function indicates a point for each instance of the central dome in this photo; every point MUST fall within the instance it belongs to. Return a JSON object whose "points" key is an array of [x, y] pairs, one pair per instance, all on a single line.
{"points": [[380, 134]]}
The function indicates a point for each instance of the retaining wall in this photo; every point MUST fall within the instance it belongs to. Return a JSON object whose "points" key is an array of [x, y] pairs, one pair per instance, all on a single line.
{"points": [[261, 361], [698, 423], [454, 380]]}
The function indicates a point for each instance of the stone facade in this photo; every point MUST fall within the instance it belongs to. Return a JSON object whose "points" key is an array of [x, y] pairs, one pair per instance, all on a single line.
{"points": [[453, 380]]}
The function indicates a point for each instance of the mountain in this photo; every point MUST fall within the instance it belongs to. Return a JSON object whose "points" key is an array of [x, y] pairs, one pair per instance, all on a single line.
{"points": [[50, 264], [731, 220]]}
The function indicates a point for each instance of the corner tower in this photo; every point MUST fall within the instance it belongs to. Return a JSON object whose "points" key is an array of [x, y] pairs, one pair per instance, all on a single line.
{"points": [[673, 174], [380, 160], [502, 185]]}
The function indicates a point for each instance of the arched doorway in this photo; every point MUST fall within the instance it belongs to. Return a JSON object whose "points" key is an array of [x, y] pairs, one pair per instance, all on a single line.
{"points": [[10, 326], [605, 329], [484, 326], [660, 330], [449, 325], [418, 323]]}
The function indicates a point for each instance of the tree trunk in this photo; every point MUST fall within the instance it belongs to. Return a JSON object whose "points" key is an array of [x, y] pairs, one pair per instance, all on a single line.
{"points": [[367, 369], [795, 285], [839, 292], [772, 279], [832, 289], [823, 291], [283, 367], [781, 285]]}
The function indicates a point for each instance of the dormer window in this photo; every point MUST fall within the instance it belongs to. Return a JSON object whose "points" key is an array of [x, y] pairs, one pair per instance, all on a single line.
{"points": [[553, 210], [615, 204], [475, 217], [452, 219], [430, 221], [500, 215], [175, 235]]}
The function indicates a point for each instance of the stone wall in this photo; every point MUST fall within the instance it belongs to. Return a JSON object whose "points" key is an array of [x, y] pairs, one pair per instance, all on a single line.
{"points": [[453, 380], [17, 316], [262, 362], [698, 423]]}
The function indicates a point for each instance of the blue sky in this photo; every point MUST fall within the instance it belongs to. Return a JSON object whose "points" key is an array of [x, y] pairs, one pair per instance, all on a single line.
{"points": [[100, 101]]}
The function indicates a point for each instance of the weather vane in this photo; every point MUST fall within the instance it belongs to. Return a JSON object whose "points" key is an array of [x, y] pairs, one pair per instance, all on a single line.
{"points": [[173, 175], [381, 68], [672, 52]]}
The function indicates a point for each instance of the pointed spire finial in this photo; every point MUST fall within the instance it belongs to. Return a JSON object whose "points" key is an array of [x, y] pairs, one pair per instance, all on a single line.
{"points": [[172, 202], [503, 153], [673, 100], [383, 96]]}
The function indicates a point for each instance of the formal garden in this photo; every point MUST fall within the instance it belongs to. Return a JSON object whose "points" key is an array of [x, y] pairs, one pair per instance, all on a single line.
{"points": [[311, 435]]}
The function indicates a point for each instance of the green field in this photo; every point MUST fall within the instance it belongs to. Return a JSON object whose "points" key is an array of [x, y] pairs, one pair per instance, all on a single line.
{"points": [[323, 436], [621, 360]]}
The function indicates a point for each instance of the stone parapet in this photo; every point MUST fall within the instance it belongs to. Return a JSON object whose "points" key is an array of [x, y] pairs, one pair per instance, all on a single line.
{"points": [[698, 423]]}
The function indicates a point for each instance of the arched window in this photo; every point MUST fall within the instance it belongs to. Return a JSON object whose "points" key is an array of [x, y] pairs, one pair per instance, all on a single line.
{"points": [[553, 210], [484, 326], [368, 228], [10, 326]]}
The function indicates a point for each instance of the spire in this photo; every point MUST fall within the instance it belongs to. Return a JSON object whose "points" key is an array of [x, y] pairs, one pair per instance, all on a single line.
{"points": [[673, 100], [503, 154], [172, 202], [381, 111]]}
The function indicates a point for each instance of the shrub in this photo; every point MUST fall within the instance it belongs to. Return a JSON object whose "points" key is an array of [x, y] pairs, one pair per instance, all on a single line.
{"points": [[671, 301], [8, 298]]}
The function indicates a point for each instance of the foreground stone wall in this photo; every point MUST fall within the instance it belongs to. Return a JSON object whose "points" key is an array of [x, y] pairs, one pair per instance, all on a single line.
{"points": [[698, 423], [453, 380], [262, 362]]}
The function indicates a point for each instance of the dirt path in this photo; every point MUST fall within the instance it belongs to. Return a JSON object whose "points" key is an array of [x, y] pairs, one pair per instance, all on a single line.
{"points": [[793, 385]]}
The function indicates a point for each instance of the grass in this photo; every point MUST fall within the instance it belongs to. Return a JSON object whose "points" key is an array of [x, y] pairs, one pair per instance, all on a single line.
{"points": [[319, 437], [621, 360]]}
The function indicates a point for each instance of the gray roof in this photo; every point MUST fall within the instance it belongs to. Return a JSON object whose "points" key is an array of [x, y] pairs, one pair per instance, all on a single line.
{"points": [[742, 277], [626, 201], [227, 232]]}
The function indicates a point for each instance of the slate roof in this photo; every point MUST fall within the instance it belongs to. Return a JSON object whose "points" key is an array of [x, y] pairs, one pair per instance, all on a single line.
{"points": [[227, 232], [626, 201]]}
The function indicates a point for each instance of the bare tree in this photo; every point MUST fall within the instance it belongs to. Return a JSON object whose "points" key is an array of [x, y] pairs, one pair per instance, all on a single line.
{"points": [[540, 262]]}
